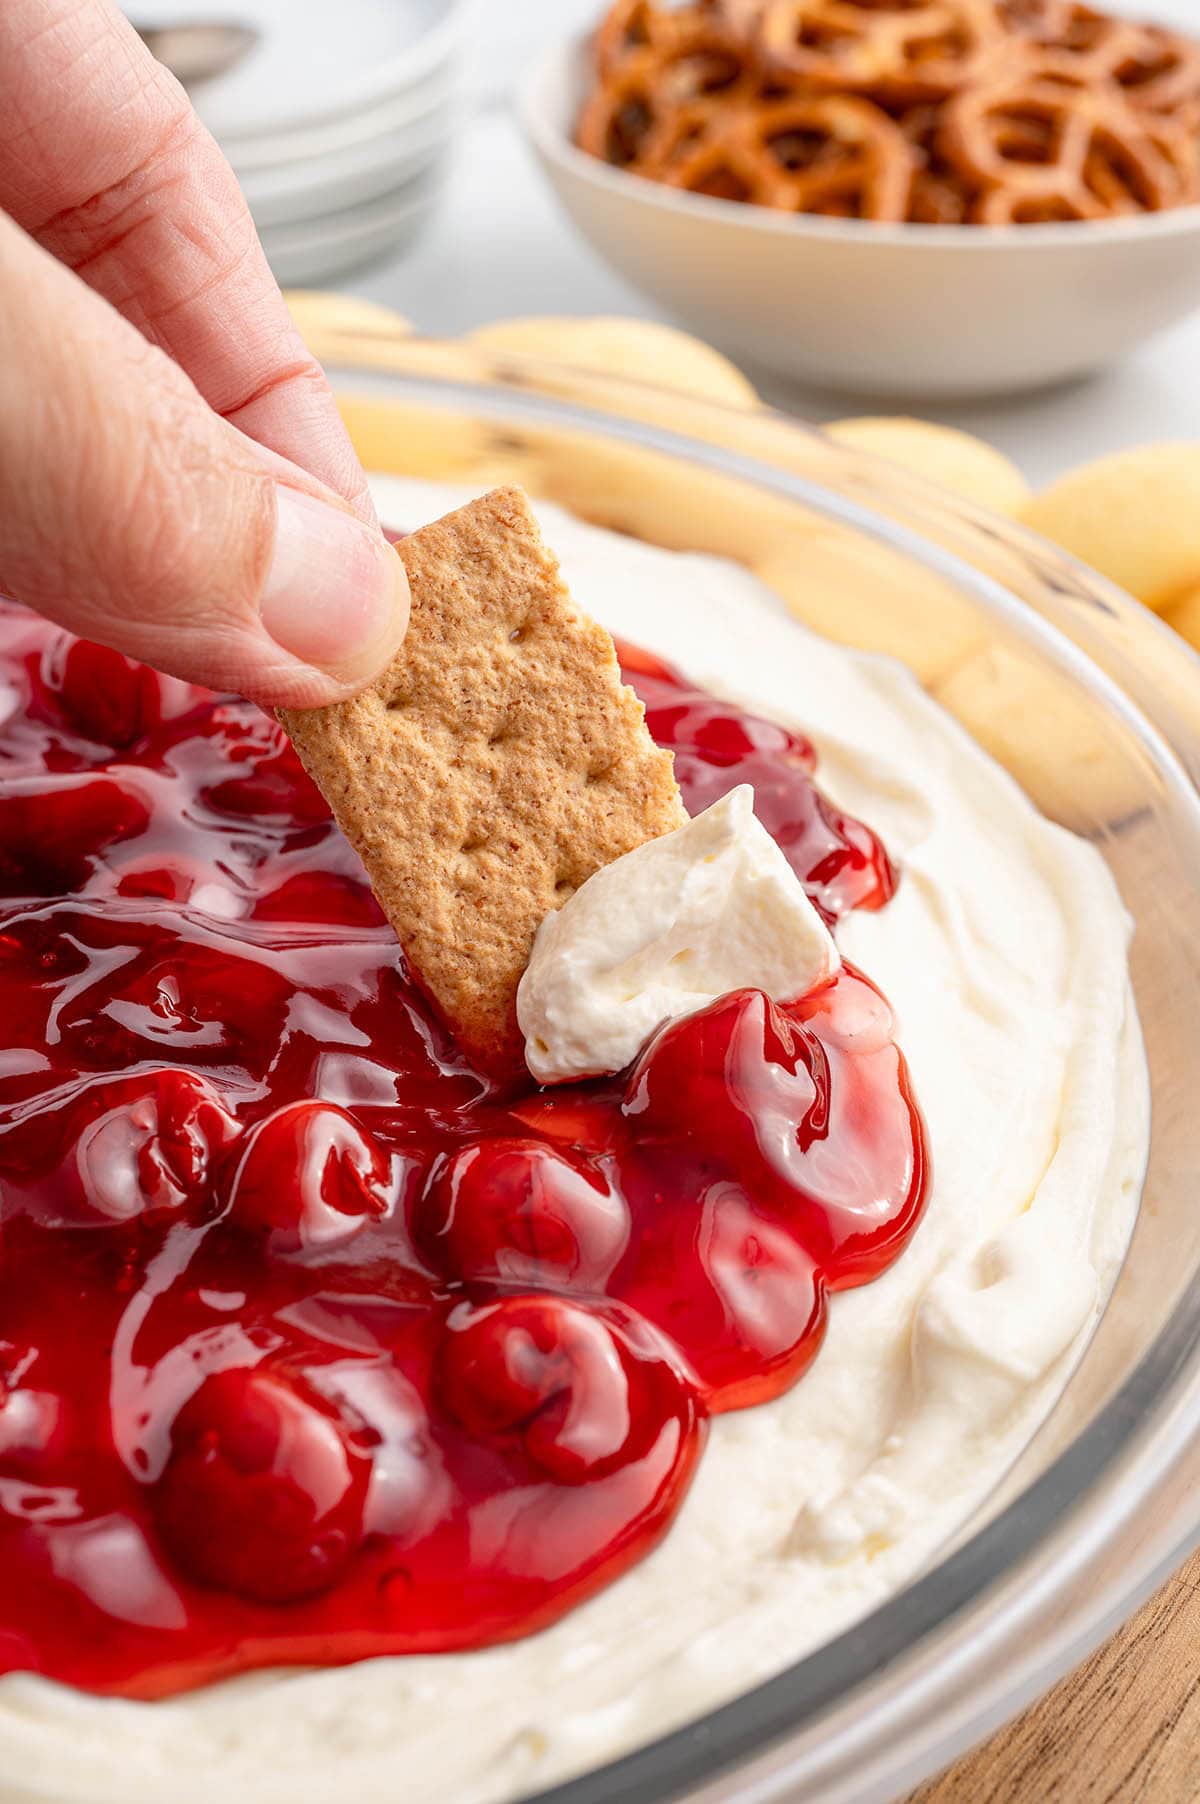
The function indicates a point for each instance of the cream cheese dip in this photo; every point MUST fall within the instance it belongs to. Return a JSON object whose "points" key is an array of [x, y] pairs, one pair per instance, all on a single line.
{"points": [[1004, 955]]}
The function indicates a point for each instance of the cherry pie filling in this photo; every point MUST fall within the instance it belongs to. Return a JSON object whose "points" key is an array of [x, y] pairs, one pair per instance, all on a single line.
{"points": [[314, 1343]]}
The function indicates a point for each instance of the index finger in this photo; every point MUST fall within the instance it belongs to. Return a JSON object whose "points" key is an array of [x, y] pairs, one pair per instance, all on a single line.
{"points": [[104, 162]]}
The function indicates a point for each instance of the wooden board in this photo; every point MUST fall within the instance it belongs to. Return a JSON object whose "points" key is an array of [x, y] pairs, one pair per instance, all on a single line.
{"points": [[1123, 1729]]}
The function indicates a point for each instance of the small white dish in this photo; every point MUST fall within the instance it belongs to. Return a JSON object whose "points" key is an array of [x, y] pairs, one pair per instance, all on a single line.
{"points": [[317, 250], [290, 193], [410, 110], [906, 311], [315, 61]]}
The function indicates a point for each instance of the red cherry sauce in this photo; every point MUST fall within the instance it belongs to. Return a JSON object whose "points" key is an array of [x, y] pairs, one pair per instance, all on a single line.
{"points": [[314, 1343]]}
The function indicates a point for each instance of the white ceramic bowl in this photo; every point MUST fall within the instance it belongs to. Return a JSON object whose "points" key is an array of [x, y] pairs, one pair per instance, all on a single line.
{"points": [[349, 133], [316, 63], [295, 193], [897, 310], [317, 249]]}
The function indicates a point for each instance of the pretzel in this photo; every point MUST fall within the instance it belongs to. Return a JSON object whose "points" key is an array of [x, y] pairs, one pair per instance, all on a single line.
{"points": [[1162, 74], [621, 115], [684, 131], [938, 200], [633, 25], [728, 165], [1025, 15], [742, 17], [1177, 141], [638, 101], [944, 112], [825, 154], [1158, 70], [646, 87], [1091, 43], [838, 149], [1090, 158], [939, 195], [921, 51]]}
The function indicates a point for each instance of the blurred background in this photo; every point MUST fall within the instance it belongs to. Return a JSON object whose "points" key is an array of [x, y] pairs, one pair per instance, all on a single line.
{"points": [[379, 145]]}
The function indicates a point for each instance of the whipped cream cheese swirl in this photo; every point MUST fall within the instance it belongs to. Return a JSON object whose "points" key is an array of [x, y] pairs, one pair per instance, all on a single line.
{"points": [[665, 930]]}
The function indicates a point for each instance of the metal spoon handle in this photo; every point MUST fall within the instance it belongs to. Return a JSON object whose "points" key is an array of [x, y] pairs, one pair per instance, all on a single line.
{"points": [[196, 53]]}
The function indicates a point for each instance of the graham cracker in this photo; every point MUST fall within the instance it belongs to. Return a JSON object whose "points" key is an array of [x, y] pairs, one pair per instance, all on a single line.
{"points": [[496, 763]]}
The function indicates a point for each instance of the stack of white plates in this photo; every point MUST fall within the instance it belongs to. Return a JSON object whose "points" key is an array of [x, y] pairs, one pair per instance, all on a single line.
{"points": [[338, 123]]}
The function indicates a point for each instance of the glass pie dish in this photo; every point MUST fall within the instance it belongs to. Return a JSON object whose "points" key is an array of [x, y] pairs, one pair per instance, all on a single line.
{"points": [[1095, 709]]}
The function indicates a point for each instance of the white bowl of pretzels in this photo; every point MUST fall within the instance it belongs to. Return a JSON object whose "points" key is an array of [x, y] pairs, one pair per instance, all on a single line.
{"points": [[939, 199]]}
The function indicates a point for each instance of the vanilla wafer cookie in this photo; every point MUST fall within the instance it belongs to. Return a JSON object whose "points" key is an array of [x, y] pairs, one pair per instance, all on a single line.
{"points": [[496, 763]]}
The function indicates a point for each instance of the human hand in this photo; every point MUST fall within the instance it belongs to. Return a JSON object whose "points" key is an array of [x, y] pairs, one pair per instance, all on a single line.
{"points": [[175, 481]]}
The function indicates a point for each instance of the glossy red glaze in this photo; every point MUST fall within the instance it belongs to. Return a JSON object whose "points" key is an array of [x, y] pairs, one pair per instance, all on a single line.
{"points": [[841, 863], [313, 1344]]}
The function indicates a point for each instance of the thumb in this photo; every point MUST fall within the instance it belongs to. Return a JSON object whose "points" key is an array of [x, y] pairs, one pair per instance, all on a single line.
{"points": [[135, 516]]}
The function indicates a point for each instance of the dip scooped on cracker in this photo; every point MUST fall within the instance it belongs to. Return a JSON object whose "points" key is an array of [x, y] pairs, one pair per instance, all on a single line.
{"points": [[495, 765]]}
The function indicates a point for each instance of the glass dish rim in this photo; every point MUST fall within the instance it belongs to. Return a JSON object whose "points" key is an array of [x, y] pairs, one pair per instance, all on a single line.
{"points": [[1117, 1463]]}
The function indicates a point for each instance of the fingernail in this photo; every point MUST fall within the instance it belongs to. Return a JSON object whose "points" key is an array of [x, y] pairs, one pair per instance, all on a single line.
{"points": [[336, 594]]}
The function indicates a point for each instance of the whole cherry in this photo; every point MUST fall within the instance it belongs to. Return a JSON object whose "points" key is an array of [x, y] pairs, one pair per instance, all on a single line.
{"points": [[264, 1491], [580, 1390], [309, 1177], [149, 1145], [111, 1151], [521, 1212], [54, 830], [738, 1087], [106, 696]]}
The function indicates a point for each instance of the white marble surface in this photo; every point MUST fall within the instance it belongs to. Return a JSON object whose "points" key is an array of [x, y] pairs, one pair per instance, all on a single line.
{"points": [[501, 247]]}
